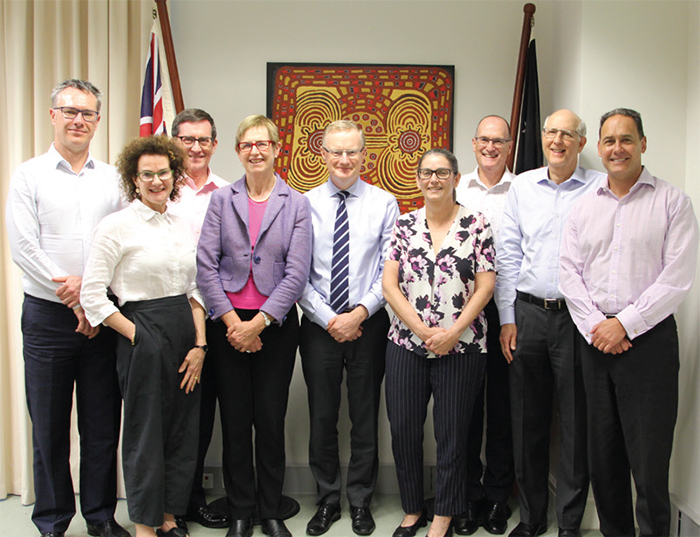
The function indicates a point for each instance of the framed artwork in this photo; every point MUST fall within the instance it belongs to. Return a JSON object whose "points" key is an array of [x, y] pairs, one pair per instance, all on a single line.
{"points": [[404, 110]]}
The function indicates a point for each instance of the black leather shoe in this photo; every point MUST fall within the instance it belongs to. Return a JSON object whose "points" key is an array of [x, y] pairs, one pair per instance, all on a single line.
{"points": [[528, 530], [108, 528], [241, 527], [495, 518], [53, 534], [566, 532], [468, 522], [326, 514], [182, 523], [274, 528], [209, 518], [410, 531], [362, 521], [172, 532]]}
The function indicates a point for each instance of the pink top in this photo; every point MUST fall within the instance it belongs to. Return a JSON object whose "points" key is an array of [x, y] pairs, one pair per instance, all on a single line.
{"points": [[249, 298]]}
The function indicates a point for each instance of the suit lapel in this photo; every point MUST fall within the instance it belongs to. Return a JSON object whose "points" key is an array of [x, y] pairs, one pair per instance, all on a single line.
{"points": [[274, 205]]}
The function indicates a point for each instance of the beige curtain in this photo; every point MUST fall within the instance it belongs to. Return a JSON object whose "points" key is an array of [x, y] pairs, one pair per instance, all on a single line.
{"points": [[42, 43]]}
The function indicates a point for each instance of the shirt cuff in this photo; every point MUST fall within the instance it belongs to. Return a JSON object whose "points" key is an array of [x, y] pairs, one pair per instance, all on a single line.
{"points": [[507, 315], [592, 320], [632, 322]]}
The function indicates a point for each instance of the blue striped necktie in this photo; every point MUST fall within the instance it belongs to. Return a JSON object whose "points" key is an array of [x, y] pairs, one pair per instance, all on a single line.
{"points": [[340, 271]]}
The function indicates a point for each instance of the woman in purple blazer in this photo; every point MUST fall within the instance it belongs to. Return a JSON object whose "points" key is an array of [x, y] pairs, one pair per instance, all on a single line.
{"points": [[253, 262]]}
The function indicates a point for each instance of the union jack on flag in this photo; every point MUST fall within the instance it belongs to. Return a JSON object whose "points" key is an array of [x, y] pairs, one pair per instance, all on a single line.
{"points": [[152, 120]]}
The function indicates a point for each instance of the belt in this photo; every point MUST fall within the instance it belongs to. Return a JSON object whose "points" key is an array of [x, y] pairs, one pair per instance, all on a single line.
{"points": [[546, 303]]}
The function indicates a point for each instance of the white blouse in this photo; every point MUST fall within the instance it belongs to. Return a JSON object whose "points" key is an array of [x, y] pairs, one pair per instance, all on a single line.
{"points": [[140, 254]]}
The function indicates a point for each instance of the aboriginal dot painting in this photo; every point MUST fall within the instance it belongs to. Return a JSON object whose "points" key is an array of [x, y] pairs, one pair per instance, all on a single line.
{"points": [[404, 111]]}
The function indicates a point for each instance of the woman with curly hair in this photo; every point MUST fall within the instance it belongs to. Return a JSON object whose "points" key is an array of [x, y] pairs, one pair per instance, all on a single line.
{"points": [[147, 258]]}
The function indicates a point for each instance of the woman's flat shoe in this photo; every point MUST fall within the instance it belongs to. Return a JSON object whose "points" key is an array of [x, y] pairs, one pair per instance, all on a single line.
{"points": [[172, 532], [410, 531]]}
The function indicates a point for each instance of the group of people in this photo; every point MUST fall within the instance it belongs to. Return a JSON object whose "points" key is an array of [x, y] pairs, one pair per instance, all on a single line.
{"points": [[161, 285]]}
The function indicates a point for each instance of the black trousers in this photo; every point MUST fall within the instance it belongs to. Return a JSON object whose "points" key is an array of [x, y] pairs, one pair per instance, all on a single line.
{"points": [[453, 381], [547, 359], [159, 443], [253, 391], [56, 358], [632, 407], [207, 414], [498, 473], [324, 360]]}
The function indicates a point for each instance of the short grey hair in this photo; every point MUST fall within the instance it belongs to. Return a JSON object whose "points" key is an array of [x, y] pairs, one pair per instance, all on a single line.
{"points": [[343, 125], [82, 85], [627, 112]]}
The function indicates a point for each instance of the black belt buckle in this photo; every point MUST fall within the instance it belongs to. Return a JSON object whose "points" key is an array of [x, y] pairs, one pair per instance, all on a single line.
{"points": [[552, 304]]}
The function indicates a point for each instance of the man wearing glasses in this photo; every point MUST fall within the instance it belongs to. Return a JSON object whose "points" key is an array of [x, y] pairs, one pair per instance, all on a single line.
{"points": [[345, 325], [485, 190], [537, 332], [55, 202], [194, 130]]}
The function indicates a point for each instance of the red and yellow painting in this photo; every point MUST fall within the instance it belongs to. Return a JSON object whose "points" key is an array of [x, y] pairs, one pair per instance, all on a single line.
{"points": [[403, 110]]}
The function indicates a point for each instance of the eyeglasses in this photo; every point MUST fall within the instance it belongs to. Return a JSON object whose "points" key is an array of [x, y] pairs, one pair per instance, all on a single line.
{"points": [[69, 112], [484, 141], [441, 173], [338, 153], [566, 135], [204, 142], [247, 147], [147, 176]]}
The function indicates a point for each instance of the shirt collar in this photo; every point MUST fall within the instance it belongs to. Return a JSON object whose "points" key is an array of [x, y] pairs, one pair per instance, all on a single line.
{"points": [[207, 187], [578, 176], [645, 178], [355, 190], [59, 161], [145, 212], [474, 180]]}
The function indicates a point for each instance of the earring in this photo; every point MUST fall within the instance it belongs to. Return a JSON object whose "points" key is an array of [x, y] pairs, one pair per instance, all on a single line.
{"points": [[138, 191]]}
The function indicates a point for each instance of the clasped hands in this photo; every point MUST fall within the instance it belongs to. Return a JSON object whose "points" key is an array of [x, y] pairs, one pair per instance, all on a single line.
{"points": [[610, 337], [439, 340], [244, 336], [69, 293]]}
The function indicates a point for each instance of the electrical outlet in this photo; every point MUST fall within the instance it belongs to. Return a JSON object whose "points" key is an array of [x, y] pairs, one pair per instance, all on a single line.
{"points": [[208, 481]]}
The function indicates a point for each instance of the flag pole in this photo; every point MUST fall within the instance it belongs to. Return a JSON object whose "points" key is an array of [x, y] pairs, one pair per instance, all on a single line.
{"points": [[170, 55], [528, 23]]}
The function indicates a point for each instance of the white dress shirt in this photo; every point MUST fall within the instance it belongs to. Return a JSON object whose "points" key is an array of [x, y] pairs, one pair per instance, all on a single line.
{"points": [[192, 204], [527, 249], [140, 254], [372, 213], [475, 195], [634, 257], [51, 216]]}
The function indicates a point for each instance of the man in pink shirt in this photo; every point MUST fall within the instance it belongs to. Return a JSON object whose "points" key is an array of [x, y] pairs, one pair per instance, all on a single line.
{"points": [[628, 260], [195, 131]]}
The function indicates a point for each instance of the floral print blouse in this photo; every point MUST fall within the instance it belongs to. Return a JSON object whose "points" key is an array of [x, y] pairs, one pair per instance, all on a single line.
{"points": [[439, 286]]}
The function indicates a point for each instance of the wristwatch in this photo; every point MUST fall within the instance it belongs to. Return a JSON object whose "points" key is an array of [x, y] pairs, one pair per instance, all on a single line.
{"points": [[205, 348], [268, 319]]}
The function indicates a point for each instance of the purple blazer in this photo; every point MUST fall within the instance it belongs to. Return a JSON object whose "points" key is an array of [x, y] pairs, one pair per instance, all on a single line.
{"points": [[282, 255]]}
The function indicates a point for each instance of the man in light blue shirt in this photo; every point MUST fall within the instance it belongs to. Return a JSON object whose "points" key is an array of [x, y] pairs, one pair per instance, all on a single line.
{"points": [[537, 333], [345, 325]]}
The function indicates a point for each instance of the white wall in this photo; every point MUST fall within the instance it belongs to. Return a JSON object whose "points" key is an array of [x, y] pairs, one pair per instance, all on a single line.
{"points": [[592, 56]]}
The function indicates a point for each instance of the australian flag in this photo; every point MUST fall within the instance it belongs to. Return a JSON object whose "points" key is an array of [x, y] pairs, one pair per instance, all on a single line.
{"points": [[152, 121]]}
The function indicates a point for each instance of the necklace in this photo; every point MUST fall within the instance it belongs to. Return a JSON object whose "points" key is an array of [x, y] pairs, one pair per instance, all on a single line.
{"points": [[266, 197]]}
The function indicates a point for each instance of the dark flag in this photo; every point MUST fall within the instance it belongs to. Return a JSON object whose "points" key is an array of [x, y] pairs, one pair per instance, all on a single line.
{"points": [[529, 138]]}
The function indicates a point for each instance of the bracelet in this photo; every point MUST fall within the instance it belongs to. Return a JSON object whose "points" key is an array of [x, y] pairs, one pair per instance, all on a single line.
{"points": [[133, 339]]}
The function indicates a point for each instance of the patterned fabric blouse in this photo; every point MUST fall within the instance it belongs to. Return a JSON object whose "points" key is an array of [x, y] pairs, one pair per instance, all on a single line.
{"points": [[439, 286]]}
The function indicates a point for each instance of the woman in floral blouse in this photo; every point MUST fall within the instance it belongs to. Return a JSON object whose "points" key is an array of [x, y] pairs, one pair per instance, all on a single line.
{"points": [[438, 277]]}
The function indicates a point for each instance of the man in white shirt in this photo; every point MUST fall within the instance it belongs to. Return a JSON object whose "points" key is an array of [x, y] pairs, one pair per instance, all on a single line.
{"points": [[55, 202], [628, 260], [537, 333], [485, 190], [345, 325], [195, 131]]}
